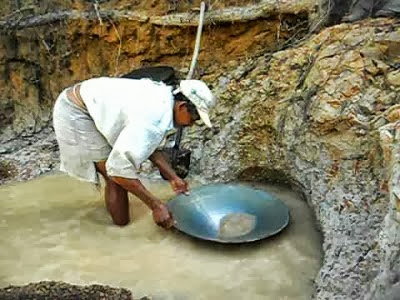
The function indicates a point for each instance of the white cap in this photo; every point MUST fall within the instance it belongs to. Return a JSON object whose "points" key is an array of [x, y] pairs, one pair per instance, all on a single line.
{"points": [[200, 95]]}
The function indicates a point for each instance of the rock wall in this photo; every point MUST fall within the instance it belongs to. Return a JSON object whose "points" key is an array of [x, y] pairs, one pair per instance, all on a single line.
{"points": [[324, 116], [387, 283]]}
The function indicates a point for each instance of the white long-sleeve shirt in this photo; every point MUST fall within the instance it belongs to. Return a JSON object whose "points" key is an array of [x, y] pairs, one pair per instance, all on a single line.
{"points": [[133, 116]]}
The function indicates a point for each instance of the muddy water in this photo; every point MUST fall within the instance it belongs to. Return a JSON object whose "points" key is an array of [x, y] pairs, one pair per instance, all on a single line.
{"points": [[56, 228]]}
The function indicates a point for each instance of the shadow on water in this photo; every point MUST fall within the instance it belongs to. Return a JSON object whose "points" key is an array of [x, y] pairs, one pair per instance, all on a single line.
{"points": [[231, 248]]}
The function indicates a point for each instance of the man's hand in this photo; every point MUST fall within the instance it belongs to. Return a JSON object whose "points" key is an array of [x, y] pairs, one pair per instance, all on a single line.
{"points": [[179, 185], [162, 217]]}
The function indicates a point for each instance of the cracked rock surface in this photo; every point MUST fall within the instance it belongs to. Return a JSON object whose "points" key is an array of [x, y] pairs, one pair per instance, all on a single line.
{"points": [[325, 116]]}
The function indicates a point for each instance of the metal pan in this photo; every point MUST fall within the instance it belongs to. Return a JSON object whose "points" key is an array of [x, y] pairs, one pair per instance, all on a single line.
{"points": [[229, 213]]}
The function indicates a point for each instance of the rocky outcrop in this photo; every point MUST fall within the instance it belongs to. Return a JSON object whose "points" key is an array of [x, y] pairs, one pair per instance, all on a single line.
{"points": [[386, 285], [325, 116]]}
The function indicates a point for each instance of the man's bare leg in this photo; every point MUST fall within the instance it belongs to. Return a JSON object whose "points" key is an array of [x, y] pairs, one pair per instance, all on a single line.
{"points": [[117, 202]]}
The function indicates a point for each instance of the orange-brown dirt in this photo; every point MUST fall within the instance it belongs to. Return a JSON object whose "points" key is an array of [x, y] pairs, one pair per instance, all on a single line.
{"points": [[39, 60]]}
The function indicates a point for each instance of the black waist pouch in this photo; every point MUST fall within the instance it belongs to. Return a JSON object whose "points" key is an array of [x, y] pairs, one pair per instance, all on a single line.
{"points": [[179, 160]]}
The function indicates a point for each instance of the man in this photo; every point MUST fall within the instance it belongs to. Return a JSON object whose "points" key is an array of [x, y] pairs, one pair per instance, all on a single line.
{"points": [[111, 125]]}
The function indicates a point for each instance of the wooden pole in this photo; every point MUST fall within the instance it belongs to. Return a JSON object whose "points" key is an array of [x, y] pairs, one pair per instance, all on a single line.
{"points": [[198, 38]]}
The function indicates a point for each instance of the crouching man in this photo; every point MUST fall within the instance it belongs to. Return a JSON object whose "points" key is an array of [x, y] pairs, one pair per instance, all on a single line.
{"points": [[112, 125]]}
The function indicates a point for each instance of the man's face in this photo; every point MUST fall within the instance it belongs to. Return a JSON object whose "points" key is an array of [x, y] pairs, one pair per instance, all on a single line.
{"points": [[184, 115]]}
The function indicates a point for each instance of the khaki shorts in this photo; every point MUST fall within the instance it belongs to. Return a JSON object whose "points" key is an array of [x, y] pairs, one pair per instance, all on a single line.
{"points": [[80, 143]]}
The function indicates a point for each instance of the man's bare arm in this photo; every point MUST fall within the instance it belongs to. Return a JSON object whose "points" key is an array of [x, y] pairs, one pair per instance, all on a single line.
{"points": [[159, 160], [136, 187], [161, 214], [178, 184]]}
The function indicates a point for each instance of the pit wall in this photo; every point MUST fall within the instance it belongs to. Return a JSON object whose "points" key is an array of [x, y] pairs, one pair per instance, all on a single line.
{"points": [[323, 115]]}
